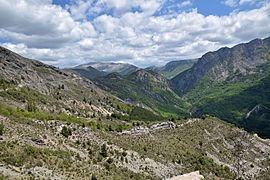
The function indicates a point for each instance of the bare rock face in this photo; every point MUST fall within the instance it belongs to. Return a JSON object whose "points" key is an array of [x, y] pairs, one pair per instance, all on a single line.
{"points": [[163, 125], [145, 130]]}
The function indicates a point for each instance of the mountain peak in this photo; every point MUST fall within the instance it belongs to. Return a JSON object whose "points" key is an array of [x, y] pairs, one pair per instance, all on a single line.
{"points": [[109, 67]]}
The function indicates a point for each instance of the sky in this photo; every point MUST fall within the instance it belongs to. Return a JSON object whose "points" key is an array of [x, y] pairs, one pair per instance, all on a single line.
{"points": [[66, 33]]}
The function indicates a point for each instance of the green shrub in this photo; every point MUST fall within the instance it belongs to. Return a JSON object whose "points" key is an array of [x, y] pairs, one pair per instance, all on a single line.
{"points": [[66, 131], [31, 106], [124, 153], [93, 177], [103, 150], [1, 129], [2, 177], [110, 161]]}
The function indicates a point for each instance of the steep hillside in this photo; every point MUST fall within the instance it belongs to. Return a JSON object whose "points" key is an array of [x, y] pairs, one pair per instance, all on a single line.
{"points": [[34, 86], [225, 65], [146, 89], [121, 68], [229, 83], [173, 68], [246, 107]]}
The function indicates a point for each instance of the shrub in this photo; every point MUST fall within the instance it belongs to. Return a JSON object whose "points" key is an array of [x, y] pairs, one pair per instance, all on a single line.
{"points": [[110, 161], [66, 131], [93, 177], [31, 106], [1, 129], [124, 153], [103, 150]]}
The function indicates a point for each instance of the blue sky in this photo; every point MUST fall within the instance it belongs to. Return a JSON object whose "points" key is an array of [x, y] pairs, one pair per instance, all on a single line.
{"points": [[142, 32], [205, 7]]}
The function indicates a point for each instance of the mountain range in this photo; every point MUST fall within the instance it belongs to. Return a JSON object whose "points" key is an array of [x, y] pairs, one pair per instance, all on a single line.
{"points": [[227, 83], [114, 120]]}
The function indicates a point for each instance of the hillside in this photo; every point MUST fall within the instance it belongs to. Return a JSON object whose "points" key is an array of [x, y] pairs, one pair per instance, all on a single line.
{"points": [[121, 68], [34, 86], [173, 68], [145, 89], [229, 83], [33, 148]]}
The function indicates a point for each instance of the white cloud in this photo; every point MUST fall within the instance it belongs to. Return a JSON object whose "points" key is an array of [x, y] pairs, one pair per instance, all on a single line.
{"points": [[186, 3], [79, 9], [231, 3], [32, 22], [64, 37]]}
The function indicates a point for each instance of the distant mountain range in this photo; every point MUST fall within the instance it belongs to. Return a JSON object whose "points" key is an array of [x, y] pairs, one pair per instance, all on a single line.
{"points": [[121, 68], [96, 69], [88, 72], [147, 88]]}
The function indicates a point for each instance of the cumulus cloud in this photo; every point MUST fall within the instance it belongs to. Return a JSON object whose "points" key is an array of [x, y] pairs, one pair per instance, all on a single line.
{"points": [[68, 37], [40, 24]]}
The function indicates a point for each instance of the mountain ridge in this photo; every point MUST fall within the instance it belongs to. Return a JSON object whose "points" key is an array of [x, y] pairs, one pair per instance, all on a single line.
{"points": [[109, 67], [187, 80]]}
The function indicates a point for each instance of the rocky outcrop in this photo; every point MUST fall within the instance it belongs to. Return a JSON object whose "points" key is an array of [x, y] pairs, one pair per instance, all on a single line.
{"points": [[190, 176], [145, 130]]}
